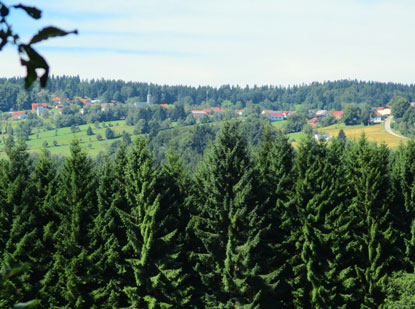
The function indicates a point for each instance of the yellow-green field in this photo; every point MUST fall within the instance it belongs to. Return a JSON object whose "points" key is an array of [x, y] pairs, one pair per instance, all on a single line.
{"points": [[375, 133]]}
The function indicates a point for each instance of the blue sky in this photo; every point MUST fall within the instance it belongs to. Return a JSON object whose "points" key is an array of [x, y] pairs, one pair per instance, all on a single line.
{"points": [[226, 41]]}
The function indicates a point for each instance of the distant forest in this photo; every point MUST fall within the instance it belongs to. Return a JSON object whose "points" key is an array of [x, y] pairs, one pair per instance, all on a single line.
{"points": [[328, 95]]}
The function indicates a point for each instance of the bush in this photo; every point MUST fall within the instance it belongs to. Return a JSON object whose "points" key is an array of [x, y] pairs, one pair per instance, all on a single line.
{"points": [[109, 134], [99, 137], [89, 131]]}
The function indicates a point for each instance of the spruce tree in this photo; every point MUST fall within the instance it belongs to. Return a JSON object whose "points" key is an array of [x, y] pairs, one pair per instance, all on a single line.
{"points": [[155, 230], [375, 249], [337, 222], [24, 241], [70, 280], [403, 178], [45, 187], [227, 223], [109, 238], [312, 201], [275, 170]]}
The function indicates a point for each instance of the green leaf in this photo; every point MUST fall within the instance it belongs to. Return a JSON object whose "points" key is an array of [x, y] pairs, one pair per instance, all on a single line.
{"points": [[4, 11], [30, 304], [49, 32], [31, 11], [35, 61]]}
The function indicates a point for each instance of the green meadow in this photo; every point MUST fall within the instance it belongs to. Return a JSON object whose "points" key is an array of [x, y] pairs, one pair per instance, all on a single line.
{"points": [[63, 137]]}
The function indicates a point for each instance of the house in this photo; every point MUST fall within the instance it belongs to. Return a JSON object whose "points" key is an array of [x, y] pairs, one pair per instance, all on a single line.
{"points": [[218, 110], [321, 113], [322, 136], [376, 118], [56, 100], [35, 106], [384, 111], [288, 113], [276, 117], [106, 106], [338, 114], [313, 122], [240, 112], [163, 105], [59, 106], [199, 113], [18, 115]]}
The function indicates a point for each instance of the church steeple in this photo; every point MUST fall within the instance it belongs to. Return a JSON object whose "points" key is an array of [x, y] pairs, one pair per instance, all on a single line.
{"points": [[149, 97]]}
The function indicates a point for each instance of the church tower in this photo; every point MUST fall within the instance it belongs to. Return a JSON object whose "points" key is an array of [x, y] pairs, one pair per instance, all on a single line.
{"points": [[149, 97]]}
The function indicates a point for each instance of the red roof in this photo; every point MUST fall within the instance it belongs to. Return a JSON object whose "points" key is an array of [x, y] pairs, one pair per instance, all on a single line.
{"points": [[34, 105], [199, 111], [313, 120], [379, 108], [338, 114], [84, 101], [276, 114], [218, 109], [17, 113], [56, 99], [164, 105]]}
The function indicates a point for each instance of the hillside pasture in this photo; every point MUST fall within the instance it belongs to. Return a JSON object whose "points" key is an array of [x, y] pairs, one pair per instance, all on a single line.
{"points": [[375, 133]]}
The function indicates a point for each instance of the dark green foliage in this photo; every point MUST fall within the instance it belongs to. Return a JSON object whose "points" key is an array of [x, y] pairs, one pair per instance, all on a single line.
{"points": [[375, 250], [155, 231], [109, 133], [19, 215], [342, 136], [313, 201], [295, 123], [400, 291], [69, 281], [89, 131], [327, 120], [275, 170], [399, 106], [351, 115], [226, 223], [404, 183], [322, 226], [109, 238]]}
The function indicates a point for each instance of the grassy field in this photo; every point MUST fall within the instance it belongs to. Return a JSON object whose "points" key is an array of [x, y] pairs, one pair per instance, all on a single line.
{"points": [[375, 133], [64, 137]]}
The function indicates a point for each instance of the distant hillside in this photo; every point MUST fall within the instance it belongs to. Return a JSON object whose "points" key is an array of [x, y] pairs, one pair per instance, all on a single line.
{"points": [[327, 95]]}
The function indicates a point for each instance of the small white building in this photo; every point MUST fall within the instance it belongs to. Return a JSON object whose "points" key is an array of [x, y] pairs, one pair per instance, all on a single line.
{"points": [[322, 136]]}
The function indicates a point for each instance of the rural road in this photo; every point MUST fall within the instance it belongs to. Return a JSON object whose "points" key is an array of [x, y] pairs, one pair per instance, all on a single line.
{"points": [[388, 127]]}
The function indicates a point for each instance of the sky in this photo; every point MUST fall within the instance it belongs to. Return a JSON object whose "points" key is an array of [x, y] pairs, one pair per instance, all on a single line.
{"points": [[216, 42]]}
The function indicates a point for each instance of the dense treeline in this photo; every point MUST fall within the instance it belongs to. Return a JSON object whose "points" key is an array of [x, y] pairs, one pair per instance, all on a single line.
{"points": [[327, 95], [322, 226]]}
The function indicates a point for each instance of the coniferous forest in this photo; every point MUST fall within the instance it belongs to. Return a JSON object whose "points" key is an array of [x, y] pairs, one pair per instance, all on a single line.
{"points": [[320, 226]]}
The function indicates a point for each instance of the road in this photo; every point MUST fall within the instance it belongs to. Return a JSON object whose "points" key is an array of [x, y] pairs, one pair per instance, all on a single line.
{"points": [[388, 127]]}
